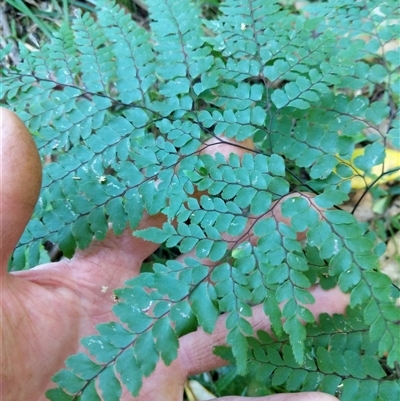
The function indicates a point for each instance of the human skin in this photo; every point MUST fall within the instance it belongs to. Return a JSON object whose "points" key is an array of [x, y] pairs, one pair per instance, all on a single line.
{"points": [[45, 311]]}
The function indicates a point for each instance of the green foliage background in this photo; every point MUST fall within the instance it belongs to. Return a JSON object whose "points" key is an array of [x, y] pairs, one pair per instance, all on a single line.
{"points": [[119, 108]]}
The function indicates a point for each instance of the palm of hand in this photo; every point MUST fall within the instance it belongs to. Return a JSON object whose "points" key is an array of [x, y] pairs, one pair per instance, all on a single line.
{"points": [[48, 309]]}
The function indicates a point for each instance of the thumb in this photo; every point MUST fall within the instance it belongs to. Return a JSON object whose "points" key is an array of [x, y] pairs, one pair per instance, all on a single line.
{"points": [[20, 181], [283, 397]]}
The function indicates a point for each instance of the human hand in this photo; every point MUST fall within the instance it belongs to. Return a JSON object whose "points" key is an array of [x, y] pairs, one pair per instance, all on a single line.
{"points": [[46, 310]]}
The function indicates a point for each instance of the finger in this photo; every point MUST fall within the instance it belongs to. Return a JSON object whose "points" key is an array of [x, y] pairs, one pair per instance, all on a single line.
{"points": [[283, 397], [196, 349], [20, 181], [125, 250]]}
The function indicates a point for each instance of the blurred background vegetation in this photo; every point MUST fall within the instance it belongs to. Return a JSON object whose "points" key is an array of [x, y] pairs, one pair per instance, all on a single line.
{"points": [[31, 23]]}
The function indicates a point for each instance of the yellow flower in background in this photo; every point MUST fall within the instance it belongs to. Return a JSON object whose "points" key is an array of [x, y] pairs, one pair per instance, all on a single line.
{"points": [[361, 180]]}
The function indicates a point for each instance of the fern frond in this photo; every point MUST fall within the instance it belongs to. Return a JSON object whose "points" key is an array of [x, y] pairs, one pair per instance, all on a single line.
{"points": [[63, 53], [134, 57], [339, 360], [177, 33], [95, 55]]}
